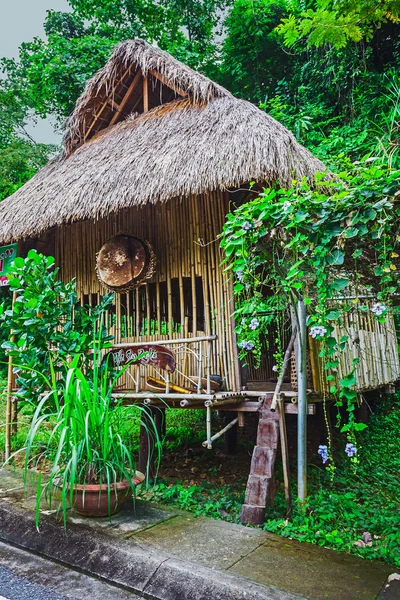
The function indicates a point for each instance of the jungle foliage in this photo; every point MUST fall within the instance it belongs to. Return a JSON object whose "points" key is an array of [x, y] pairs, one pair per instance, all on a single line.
{"points": [[327, 70]]}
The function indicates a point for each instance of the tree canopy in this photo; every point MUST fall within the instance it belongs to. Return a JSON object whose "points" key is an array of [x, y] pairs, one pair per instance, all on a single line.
{"points": [[327, 70]]}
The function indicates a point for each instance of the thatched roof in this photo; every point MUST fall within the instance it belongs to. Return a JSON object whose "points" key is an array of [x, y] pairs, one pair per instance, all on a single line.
{"points": [[196, 138]]}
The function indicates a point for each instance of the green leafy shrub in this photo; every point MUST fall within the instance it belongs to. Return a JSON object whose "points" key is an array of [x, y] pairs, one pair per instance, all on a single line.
{"points": [[47, 323], [358, 512]]}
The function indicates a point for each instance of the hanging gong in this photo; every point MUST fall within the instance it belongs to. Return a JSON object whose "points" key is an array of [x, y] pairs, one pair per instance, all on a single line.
{"points": [[124, 262]]}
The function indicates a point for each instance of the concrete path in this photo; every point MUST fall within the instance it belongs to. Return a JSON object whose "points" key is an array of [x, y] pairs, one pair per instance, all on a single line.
{"points": [[168, 554]]}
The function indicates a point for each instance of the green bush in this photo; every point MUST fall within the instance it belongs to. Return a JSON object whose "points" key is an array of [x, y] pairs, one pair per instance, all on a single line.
{"points": [[359, 511]]}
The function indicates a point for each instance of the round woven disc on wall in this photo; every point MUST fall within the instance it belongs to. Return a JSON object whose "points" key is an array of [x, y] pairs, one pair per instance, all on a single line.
{"points": [[125, 261]]}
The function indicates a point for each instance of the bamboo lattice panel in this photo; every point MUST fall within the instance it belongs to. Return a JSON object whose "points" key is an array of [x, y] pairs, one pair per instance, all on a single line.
{"points": [[373, 343]]}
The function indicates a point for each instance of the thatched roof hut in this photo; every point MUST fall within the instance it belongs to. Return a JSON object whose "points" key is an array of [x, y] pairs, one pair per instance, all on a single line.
{"points": [[154, 154], [124, 148]]}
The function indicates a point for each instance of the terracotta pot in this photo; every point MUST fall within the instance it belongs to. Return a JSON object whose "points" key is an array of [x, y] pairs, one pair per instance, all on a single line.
{"points": [[92, 500]]}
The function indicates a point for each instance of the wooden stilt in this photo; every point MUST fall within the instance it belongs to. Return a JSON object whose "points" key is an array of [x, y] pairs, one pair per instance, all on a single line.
{"points": [[261, 482], [231, 434], [152, 418], [14, 416], [285, 455], [9, 409]]}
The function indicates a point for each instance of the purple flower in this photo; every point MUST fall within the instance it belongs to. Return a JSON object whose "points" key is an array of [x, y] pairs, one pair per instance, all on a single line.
{"points": [[378, 309], [323, 451], [317, 331], [239, 275], [367, 537], [246, 225], [350, 450], [254, 323], [246, 345]]}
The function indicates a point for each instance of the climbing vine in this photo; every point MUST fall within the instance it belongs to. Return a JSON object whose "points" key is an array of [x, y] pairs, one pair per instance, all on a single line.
{"points": [[334, 245]]}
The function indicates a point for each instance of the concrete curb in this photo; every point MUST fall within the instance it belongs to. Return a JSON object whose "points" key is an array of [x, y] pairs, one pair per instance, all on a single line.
{"points": [[391, 589], [127, 563]]}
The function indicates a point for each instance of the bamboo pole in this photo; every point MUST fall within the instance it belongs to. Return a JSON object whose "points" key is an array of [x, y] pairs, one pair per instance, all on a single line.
{"points": [[286, 360], [232, 398], [285, 455], [208, 428], [187, 340], [302, 401], [216, 436]]}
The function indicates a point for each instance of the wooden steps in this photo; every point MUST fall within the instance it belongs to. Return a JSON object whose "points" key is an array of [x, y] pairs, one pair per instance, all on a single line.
{"points": [[261, 481]]}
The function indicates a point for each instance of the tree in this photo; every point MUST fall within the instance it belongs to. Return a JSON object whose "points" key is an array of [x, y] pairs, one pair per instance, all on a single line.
{"points": [[337, 22], [20, 156], [253, 61], [49, 75]]}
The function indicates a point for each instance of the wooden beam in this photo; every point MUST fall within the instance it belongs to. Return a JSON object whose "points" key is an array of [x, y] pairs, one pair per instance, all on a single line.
{"points": [[162, 400], [290, 409], [126, 97], [285, 455], [105, 104], [167, 84], [145, 94], [113, 104]]}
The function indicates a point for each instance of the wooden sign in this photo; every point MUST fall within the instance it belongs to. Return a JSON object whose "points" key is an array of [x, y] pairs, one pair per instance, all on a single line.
{"points": [[7, 255], [148, 355], [125, 261]]}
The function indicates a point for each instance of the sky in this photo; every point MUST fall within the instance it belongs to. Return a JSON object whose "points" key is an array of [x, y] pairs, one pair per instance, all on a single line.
{"points": [[21, 21]]}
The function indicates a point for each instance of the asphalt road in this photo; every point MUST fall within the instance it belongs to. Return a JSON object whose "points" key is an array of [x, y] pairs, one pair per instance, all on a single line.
{"points": [[25, 576]]}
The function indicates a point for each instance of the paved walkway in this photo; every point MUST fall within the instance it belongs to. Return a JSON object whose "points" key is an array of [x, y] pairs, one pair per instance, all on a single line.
{"points": [[218, 547]]}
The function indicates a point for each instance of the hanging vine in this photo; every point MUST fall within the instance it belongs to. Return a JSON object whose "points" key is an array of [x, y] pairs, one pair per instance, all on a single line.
{"points": [[332, 244]]}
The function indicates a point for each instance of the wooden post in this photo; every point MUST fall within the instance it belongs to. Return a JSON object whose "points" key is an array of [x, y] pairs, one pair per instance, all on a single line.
{"points": [[9, 409], [231, 434], [302, 401], [286, 361], [152, 418], [261, 482], [145, 94], [285, 455]]}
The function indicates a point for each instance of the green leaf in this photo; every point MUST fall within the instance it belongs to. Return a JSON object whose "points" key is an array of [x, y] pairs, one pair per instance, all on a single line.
{"points": [[336, 258], [19, 262], [333, 315], [351, 232], [340, 284], [348, 382]]}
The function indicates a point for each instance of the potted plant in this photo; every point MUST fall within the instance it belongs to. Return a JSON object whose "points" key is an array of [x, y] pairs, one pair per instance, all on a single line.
{"points": [[78, 433], [90, 465]]}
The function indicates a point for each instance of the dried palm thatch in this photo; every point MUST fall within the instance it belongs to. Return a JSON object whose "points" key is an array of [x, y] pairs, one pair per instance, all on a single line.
{"points": [[133, 55], [205, 141]]}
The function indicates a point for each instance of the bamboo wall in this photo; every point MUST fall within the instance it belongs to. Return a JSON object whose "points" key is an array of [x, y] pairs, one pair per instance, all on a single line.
{"points": [[372, 342], [183, 233]]}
